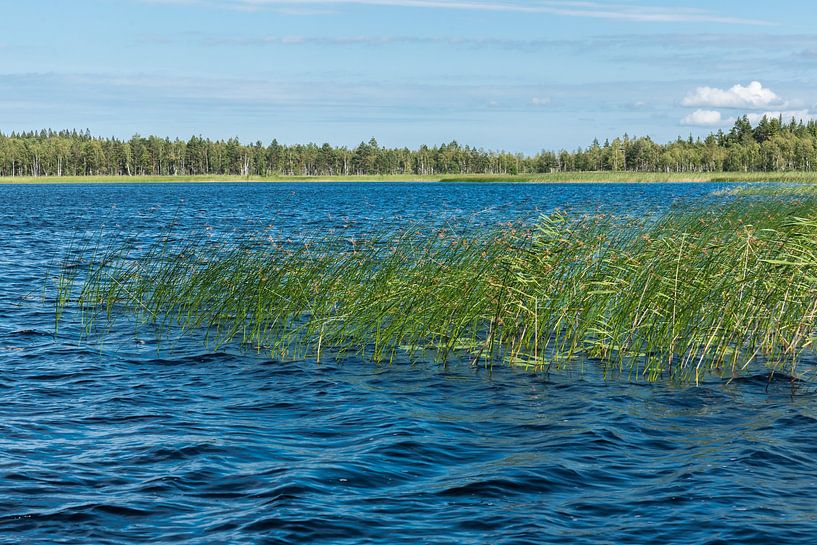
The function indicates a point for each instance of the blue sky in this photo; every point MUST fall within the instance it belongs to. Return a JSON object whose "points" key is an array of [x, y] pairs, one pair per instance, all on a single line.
{"points": [[521, 75]]}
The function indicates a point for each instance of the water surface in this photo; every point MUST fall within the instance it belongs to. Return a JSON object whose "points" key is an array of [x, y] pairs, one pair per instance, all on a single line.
{"points": [[117, 443]]}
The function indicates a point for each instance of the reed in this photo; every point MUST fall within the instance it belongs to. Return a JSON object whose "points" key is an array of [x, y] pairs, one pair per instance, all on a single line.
{"points": [[705, 289]]}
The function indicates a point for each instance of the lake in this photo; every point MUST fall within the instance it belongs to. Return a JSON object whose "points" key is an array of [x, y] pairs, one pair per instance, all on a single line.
{"points": [[117, 442]]}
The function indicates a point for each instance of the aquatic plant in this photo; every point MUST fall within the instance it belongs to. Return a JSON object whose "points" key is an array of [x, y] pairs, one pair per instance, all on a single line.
{"points": [[789, 190], [707, 288]]}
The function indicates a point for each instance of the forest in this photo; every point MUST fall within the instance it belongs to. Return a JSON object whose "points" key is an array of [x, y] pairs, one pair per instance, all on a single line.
{"points": [[772, 145]]}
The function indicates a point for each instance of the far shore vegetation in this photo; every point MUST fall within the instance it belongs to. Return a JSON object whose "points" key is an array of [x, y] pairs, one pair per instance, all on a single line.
{"points": [[552, 177], [771, 150]]}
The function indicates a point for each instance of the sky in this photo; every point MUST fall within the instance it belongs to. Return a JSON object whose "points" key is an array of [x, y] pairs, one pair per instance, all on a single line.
{"points": [[518, 75]]}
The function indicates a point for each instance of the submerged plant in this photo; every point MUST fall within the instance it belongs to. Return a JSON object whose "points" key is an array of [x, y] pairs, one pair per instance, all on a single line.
{"points": [[704, 289]]}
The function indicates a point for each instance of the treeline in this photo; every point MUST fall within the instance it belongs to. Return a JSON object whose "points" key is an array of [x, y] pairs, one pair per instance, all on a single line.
{"points": [[771, 145]]}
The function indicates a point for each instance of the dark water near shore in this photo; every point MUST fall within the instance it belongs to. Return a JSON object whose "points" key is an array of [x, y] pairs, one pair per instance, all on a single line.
{"points": [[116, 443]]}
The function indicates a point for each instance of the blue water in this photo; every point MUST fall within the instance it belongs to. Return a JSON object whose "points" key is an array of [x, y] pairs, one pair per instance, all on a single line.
{"points": [[115, 443]]}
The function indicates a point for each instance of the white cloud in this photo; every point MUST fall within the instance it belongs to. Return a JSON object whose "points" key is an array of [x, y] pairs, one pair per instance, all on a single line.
{"points": [[753, 96], [787, 115], [714, 118], [705, 118], [540, 101]]}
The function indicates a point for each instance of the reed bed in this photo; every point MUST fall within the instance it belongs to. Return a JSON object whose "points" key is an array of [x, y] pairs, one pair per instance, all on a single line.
{"points": [[547, 177], [718, 289], [787, 191]]}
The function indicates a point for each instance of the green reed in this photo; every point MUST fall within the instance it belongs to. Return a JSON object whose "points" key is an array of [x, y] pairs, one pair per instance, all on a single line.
{"points": [[706, 288]]}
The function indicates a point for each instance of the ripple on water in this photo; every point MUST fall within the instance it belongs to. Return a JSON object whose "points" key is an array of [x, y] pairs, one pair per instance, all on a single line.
{"points": [[116, 443]]}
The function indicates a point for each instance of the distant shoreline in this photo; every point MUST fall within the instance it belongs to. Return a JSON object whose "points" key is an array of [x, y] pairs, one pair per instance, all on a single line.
{"points": [[557, 177]]}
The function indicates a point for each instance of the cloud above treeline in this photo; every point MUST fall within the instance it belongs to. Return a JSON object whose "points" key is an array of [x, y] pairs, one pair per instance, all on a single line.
{"points": [[786, 115], [753, 96], [753, 100], [703, 118]]}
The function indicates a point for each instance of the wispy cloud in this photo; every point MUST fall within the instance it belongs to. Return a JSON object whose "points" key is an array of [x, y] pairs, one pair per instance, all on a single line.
{"points": [[599, 10], [803, 45], [320, 96], [807, 54], [707, 40], [367, 40]]}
